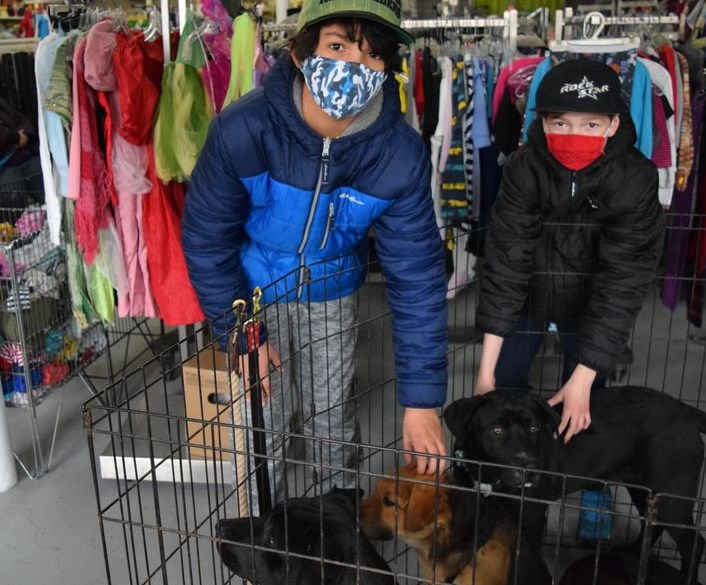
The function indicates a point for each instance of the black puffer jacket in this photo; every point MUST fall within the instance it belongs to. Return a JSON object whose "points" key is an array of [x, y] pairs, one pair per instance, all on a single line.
{"points": [[575, 248]]}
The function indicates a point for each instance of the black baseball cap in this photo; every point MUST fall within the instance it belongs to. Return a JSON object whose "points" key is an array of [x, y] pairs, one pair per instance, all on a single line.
{"points": [[580, 85]]}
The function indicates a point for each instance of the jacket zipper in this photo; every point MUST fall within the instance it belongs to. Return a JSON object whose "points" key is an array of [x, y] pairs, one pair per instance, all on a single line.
{"points": [[574, 186], [329, 225], [322, 180]]}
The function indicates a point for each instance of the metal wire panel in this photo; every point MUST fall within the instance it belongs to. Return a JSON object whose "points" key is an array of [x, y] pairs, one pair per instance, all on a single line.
{"points": [[172, 457]]}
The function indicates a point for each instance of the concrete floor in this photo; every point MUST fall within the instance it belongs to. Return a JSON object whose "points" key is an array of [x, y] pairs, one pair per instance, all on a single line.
{"points": [[50, 529]]}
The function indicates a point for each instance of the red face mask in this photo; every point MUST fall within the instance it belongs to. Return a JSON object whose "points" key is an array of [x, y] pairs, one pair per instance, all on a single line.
{"points": [[576, 151]]}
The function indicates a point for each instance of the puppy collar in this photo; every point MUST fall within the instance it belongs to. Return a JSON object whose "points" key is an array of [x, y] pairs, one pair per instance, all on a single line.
{"points": [[485, 489]]}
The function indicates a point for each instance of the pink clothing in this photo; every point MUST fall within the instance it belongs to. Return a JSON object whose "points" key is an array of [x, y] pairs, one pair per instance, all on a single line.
{"points": [[511, 69], [129, 165], [661, 150], [75, 145], [100, 44]]}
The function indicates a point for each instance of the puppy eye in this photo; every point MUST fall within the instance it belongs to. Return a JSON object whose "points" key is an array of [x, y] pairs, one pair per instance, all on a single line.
{"points": [[387, 502], [498, 431], [534, 428]]}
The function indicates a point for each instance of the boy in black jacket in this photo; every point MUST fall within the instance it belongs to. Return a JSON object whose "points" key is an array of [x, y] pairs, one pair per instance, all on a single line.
{"points": [[574, 239]]}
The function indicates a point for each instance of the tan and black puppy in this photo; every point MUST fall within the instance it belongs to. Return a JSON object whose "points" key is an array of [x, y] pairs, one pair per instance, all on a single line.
{"points": [[459, 536]]}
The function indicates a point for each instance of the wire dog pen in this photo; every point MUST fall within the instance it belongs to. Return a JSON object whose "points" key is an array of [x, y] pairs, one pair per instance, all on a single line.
{"points": [[170, 458]]}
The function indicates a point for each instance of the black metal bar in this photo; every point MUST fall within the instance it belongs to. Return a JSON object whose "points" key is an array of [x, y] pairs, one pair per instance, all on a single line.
{"points": [[262, 476]]}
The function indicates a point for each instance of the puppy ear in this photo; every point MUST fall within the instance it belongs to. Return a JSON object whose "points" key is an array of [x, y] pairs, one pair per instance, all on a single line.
{"points": [[459, 412], [352, 493], [550, 416], [424, 505]]}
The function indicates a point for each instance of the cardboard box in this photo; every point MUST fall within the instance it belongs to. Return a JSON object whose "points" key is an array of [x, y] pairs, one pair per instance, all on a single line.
{"points": [[204, 375]]}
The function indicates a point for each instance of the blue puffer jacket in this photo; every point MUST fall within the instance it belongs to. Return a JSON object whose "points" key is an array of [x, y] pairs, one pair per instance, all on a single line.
{"points": [[269, 197]]}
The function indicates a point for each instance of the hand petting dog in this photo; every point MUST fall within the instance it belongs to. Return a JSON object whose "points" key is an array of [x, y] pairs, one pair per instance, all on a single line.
{"points": [[421, 432], [576, 398]]}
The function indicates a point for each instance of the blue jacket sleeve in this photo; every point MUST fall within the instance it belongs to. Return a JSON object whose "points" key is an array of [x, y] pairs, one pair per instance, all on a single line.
{"points": [[411, 253], [213, 232]]}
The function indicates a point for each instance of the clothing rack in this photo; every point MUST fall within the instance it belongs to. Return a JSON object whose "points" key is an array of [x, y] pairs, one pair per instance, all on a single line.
{"points": [[19, 45], [565, 19], [508, 24]]}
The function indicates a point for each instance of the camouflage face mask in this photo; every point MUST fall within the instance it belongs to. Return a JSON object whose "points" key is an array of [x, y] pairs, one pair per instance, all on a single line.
{"points": [[341, 88]]}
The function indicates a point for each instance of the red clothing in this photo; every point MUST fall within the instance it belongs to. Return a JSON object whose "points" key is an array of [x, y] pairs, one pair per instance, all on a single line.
{"points": [[138, 70], [169, 281], [94, 195], [419, 85]]}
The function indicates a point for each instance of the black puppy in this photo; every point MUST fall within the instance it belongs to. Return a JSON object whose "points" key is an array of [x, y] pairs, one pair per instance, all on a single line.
{"points": [[637, 436], [303, 541]]}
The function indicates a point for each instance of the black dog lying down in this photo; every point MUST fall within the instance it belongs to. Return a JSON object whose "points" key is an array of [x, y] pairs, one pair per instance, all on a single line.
{"points": [[619, 568], [268, 550], [637, 436]]}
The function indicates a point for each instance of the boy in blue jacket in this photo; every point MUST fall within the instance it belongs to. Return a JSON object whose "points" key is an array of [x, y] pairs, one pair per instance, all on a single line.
{"points": [[288, 184]]}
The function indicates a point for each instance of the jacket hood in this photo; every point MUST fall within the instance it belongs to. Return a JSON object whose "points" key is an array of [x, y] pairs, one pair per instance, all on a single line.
{"points": [[278, 86], [624, 138]]}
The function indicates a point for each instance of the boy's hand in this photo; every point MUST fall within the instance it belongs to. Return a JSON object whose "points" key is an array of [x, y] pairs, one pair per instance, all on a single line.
{"points": [[24, 139], [421, 431], [576, 396]]}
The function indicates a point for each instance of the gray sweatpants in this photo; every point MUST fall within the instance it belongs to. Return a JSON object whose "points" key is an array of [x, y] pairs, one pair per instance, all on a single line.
{"points": [[312, 395]]}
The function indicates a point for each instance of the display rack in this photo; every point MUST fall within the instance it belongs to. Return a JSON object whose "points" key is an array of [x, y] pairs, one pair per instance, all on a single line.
{"points": [[594, 24]]}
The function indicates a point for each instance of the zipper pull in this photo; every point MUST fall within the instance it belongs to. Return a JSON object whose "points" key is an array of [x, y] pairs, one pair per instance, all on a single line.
{"points": [[324, 161], [573, 184]]}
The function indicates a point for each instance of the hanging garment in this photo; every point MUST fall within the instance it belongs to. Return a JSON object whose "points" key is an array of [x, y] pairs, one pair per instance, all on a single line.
{"points": [[138, 66], [169, 280], [454, 196], [52, 142], [81, 307], [664, 152], [680, 220], [182, 122], [432, 86], [442, 137], [468, 117], [686, 142], [524, 68], [94, 193], [216, 72], [126, 170], [419, 86], [242, 58], [411, 113], [184, 112]]}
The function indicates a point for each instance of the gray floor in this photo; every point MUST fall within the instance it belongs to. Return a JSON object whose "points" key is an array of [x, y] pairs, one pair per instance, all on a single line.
{"points": [[49, 527]]}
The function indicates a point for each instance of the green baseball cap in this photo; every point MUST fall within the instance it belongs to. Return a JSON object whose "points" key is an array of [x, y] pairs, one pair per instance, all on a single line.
{"points": [[387, 12]]}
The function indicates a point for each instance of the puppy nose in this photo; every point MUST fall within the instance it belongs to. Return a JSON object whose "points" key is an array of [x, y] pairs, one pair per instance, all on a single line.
{"points": [[221, 530], [526, 460]]}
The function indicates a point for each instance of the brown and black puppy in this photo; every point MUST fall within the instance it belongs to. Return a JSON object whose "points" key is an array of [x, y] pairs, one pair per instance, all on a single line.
{"points": [[303, 541], [637, 436], [459, 536]]}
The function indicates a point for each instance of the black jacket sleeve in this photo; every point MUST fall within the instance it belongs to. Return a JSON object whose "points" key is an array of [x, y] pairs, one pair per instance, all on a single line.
{"points": [[514, 231], [629, 252]]}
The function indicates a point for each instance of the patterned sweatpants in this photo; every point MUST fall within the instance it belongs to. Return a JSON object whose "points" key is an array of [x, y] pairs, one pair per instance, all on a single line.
{"points": [[312, 396]]}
